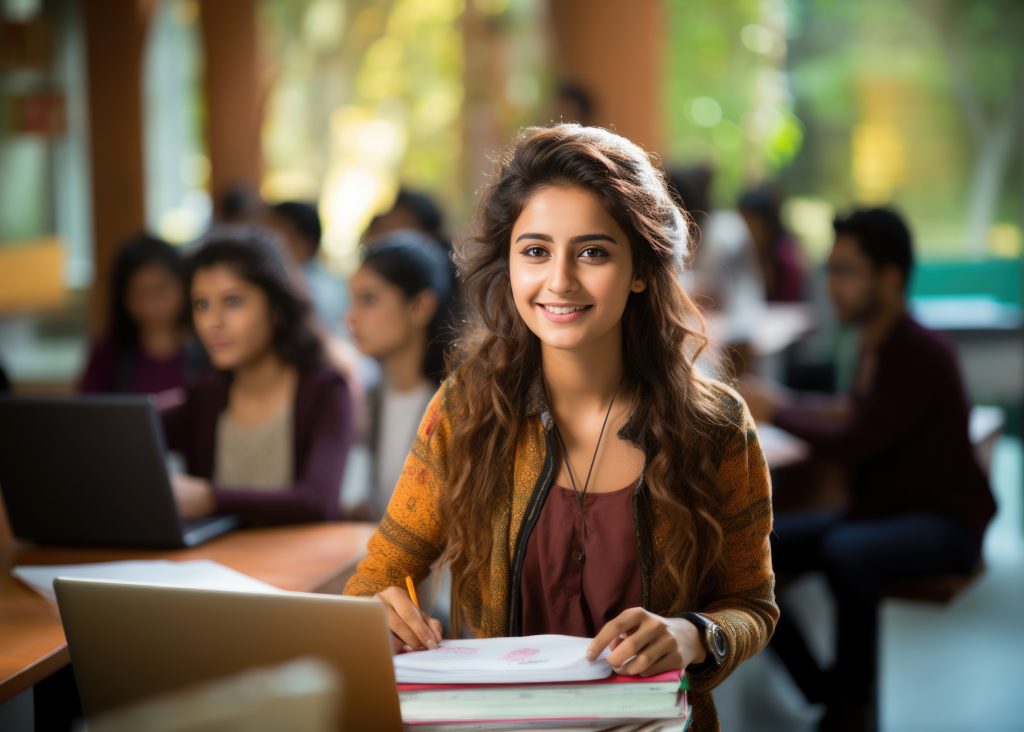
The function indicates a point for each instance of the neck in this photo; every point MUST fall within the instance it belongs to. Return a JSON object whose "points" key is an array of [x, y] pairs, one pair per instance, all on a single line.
{"points": [[403, 369], [263, 374], [875, 330], [583, 379]]}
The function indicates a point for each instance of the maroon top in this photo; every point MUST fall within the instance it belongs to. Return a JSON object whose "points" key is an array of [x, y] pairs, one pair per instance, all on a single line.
{"points": [[907, 447], [323, 431], [112, 370], [789, 272], [566, 596]]}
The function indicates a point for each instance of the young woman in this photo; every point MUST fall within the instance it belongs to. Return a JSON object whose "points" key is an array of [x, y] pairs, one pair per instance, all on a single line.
{"points": [[148, 348], [399, 316], [267, 436], [576, 472]]}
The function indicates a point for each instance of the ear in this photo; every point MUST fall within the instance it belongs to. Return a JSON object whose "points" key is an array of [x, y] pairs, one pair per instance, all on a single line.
{"points": [[423, 307], [892, 281], [638, 285]]}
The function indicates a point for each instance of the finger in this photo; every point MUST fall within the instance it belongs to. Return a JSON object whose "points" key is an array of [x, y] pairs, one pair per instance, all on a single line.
{"points": [[668, 662], [435, 627], [617, 640], [415, 620], [403, 618], [649, 657], [406, 636], [634, 644], [625, 622]]}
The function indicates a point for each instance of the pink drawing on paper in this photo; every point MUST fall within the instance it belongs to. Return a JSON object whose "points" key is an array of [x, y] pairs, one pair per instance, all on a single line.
{"points": [[520, 655]]}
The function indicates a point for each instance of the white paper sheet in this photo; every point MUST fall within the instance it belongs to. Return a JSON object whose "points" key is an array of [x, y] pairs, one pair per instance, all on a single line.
{"points": [[200, 573], [530, 659]]}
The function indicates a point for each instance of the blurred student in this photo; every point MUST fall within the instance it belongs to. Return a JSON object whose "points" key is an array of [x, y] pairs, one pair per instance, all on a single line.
{"points": [[266, 437], [777, 251], [399, 316], [414, 210], [148, 348], [919, 503], [573, 103], [418, 211], [298, 224], [725, 277]]}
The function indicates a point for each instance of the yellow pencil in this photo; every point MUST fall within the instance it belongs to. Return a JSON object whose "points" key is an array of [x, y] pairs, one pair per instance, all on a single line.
{"points": [[412, 591]]}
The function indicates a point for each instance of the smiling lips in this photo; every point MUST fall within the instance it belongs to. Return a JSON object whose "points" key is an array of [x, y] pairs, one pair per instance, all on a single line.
{"points": [[563, 313]]}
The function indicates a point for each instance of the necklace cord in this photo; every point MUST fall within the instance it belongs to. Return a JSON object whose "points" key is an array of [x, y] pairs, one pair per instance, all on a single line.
{"points": [[581, 495]]}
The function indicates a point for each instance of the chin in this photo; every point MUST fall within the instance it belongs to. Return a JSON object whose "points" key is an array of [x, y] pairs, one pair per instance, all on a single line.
{"points": [[224, 363]]}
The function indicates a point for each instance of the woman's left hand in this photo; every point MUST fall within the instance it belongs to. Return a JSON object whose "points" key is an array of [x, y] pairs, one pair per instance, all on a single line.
{"points": [[645, 644], [193, 496]]}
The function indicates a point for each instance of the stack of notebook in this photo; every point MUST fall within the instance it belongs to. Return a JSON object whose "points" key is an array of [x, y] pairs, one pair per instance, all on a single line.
{"points": [[537, 679]]}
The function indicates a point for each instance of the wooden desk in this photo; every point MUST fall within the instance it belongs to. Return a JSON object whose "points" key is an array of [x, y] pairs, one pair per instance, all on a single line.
{"points": [[310, 558]]}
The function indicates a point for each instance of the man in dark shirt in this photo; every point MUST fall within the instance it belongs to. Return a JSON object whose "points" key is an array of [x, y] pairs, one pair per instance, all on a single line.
{"points": [[918, 501]]}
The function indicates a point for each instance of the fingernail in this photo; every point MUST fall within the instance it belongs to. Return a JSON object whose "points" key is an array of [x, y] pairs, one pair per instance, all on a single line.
{"points": [[432, 644], [407, 649]]}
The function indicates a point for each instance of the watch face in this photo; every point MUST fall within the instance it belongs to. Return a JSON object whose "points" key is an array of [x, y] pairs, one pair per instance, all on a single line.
{"points": [[718, 642]]}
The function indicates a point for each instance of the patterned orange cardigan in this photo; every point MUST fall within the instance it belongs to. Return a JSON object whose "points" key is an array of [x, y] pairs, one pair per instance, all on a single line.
{"points": [[740, 598]]}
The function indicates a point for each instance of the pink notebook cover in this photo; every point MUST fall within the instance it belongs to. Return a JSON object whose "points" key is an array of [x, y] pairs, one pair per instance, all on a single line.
{"points": [[672, 676]]}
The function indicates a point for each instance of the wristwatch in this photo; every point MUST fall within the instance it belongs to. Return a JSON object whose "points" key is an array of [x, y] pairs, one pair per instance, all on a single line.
{"points": [[715, 642]]}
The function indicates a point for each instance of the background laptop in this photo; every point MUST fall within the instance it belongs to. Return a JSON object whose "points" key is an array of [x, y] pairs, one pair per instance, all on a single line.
{"points": [[91, 470], [130, 642]]}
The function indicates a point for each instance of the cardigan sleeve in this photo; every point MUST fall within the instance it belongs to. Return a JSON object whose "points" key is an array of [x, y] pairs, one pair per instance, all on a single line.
{"points": [[315, 494], [742, 599], [410, 537]]}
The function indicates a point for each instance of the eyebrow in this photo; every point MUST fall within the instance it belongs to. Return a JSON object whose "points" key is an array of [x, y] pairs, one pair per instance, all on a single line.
{"points": [[581, 239]]}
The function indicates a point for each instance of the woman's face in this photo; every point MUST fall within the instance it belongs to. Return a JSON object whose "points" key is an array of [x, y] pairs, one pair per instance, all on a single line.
{"points": [[154, 298], [571, 268], [232, 317], [382, 319]]}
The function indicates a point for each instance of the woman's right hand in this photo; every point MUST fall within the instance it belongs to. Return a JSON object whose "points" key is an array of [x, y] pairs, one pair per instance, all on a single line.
{"points": [[411, 628]]}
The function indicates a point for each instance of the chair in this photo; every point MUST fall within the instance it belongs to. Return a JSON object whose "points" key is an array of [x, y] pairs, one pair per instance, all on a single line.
{"points": [[986, 426]]}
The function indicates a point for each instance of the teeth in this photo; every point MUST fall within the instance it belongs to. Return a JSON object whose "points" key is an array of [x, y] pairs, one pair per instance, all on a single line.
{"points": [[563, 310]]}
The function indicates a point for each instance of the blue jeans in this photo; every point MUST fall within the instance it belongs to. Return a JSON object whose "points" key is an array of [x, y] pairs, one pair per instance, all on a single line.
{"points": [[859, 557]]}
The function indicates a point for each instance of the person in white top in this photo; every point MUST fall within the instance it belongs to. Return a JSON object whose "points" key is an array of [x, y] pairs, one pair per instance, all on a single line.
{"points": [[399, 315]]}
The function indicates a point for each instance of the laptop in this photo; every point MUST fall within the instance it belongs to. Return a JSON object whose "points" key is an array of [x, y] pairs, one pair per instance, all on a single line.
{"points": [[130, 642], [91, 470]]}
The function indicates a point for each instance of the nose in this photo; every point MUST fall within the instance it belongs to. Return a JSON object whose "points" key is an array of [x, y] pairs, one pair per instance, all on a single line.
{"points": [[562, 275], [214, 317]]}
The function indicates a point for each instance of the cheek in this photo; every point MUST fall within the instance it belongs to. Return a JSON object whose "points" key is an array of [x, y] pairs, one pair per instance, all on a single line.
{"points": [[254, 326], [525, 282]]}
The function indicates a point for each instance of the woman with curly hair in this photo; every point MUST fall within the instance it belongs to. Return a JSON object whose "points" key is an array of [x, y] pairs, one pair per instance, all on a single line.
{"points": [[576, 472], [266, 437]]}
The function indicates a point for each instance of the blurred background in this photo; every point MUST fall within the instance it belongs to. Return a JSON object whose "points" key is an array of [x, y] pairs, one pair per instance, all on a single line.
{"points": [[170, 115]]}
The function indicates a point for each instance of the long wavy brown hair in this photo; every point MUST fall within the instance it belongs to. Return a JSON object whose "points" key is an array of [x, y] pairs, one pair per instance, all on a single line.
{"points": [[498, 358]]}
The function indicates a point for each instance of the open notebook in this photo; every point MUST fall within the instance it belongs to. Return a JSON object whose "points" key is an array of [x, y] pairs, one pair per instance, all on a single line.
{"points": [[527, 660]]}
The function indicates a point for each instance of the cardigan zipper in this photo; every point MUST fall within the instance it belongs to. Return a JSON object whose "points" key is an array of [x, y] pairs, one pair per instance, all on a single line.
{"points": [[533, 509], [643, 542]]}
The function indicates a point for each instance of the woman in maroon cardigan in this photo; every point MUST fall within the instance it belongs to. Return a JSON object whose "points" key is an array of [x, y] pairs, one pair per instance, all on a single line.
{"points": [[266, 437]]}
